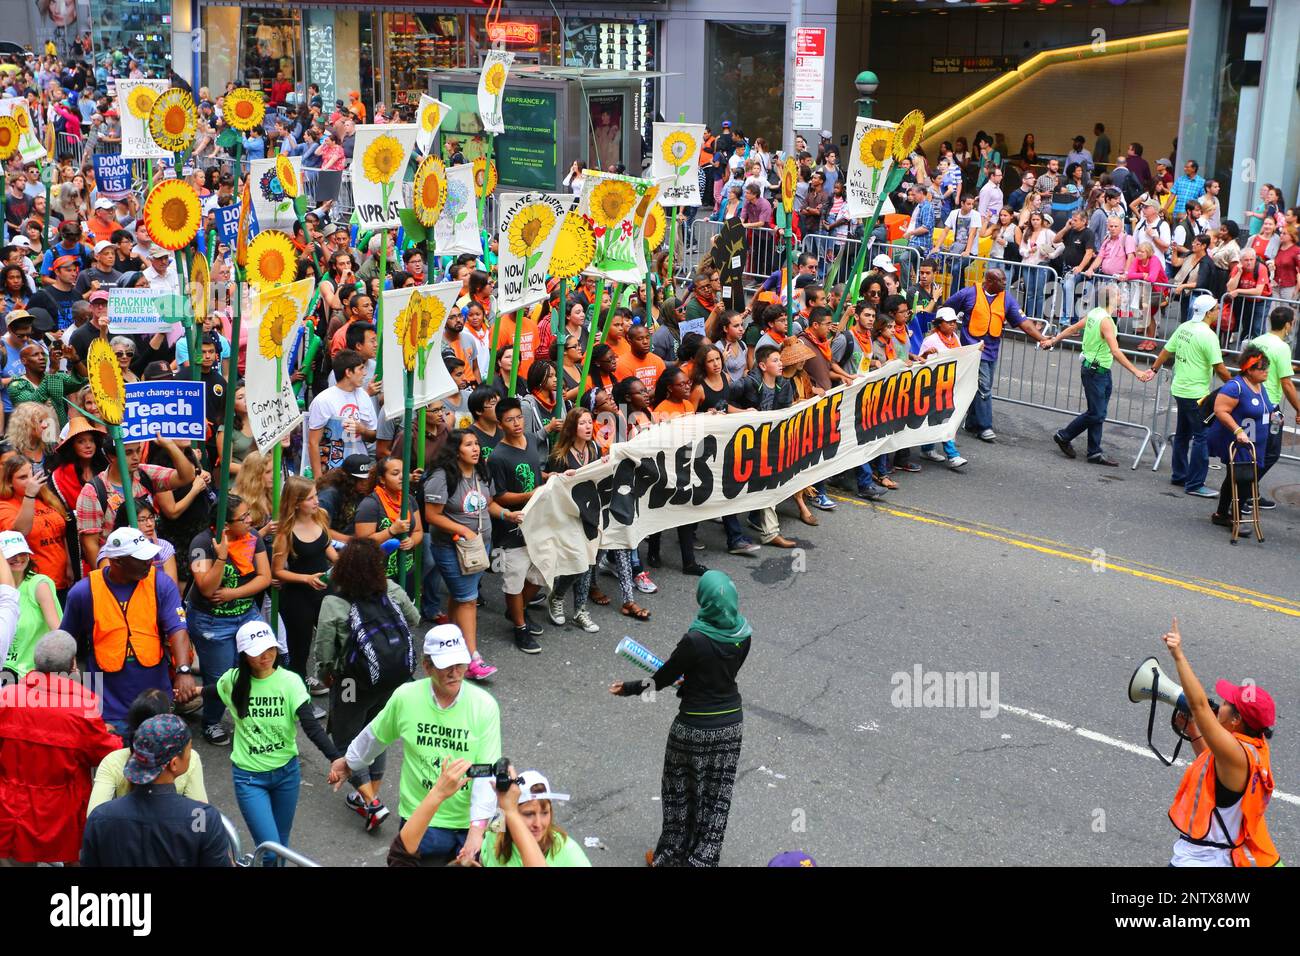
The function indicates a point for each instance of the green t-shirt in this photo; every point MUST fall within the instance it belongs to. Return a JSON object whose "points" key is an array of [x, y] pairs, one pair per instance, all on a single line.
{"points": [[469, 729], [1196, 346], [1279, 364], [267, 738], [31, 624], [1095, 349], [564, 852]]}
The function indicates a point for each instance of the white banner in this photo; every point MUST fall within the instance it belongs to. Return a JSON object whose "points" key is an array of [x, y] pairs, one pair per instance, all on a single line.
{"points": [[429, 118], [699, 467], [379, 158], [132, 311], [30, 148], [273, 317], [273, 208], [676, 157], [133, 111], [437, 382], [491, 89], [456, 230], [530, 224], [870, 163]]}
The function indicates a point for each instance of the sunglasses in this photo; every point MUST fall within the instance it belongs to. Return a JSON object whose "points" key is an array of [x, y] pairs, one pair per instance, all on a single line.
{"points": [[124, 354]]}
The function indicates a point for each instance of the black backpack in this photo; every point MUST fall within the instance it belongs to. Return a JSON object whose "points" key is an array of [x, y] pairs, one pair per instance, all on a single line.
{"points": [[378, 651]]}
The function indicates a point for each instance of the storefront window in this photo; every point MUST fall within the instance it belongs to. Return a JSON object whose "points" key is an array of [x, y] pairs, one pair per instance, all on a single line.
{"points": [[220, 63], [746, 77], [417, 41], [530, 39], [134, 29], [613, 45], [271, 49]]}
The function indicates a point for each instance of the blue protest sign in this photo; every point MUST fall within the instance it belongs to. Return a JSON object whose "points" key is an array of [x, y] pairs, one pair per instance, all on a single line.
{"points": [[228, 223], [164, 410], [112, 175]]}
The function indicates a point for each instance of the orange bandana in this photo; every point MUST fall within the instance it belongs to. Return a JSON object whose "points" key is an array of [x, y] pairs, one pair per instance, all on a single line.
{"points": [[240, 553]]}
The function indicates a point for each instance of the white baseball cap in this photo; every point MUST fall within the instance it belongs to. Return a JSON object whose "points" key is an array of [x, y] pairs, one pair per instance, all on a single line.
{"points": [[945, 314], [884, 263], [1202, 305], [254, 638], [446, 646], [103, 202], [533, 780], [102, 245], [21, 241], [12, 544], [129, 543]]}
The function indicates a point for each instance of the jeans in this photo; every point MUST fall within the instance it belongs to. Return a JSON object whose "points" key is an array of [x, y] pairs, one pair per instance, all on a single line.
{"points": [[463, 587], [949, 449], [980, 415], [865, 476], [1096, 390], [1191, 457], [734, 535], [268, 799], [429, 598], [214, 639], [1070, 280], [439, 845], [1035, 288], [1272, 452]]}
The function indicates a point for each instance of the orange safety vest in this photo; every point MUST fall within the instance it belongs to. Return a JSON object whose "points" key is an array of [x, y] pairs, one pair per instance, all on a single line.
{"points": [[706, 151], [115, 628], [1193, 808], [986, 317]]}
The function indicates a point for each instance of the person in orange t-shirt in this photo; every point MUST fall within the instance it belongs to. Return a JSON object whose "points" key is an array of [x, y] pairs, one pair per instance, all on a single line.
{"points": [[527, 340], [639, 360], [28, 506], [673, 396], [619, 323]]}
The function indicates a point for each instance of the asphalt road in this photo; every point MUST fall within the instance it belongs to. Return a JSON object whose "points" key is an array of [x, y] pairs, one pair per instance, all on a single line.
{"points": [[1052, 577]]}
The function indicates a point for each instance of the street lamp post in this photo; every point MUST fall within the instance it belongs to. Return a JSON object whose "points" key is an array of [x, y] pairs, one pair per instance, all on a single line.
{"points": [[867, 83]]}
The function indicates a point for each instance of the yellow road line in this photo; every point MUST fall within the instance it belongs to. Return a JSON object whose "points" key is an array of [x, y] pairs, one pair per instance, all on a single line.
{"points": [[1215, 589]]}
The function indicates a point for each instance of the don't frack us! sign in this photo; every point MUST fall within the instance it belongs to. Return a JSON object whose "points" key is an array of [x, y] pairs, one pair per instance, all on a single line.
{"points": [[164, 410]]}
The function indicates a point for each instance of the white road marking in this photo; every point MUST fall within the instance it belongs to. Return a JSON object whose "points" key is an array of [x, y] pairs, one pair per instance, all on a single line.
{"points": [[1113, 742]]}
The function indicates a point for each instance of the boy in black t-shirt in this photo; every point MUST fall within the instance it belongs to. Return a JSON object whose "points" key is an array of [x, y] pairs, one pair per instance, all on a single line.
{"points": [[516, 471]]}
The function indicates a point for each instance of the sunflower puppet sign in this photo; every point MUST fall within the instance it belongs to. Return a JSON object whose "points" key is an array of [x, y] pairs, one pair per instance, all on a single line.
{"points": [[272, 204], [877, 147], [491, 89], [274, 316], [676, 156], [456, 229], [615, 207], [17, 132], [135, 100], [418, 318], [379, 158], [530, 225], [429, 117]]}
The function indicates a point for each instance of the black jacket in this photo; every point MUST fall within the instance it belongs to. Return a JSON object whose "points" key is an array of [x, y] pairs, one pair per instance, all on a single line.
{"points": [[745, 393], [155, 826]]}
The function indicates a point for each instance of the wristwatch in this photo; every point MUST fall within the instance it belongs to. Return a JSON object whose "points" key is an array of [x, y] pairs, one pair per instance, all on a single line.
{"points": [[185, 669]]}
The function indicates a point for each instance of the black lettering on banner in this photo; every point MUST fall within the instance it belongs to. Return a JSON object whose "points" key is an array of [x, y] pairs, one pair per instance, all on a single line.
{"points": [[760, 457], [646, 482], [910, 398]]}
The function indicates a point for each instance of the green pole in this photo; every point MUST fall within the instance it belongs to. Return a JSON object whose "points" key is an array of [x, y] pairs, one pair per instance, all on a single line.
{"points": [[560, 334], [408, 409], [232, 376], [789, 266], [383, 277], [672, 252], [128, 498], [609, 315], [591, 336], [851, 281], [519, 335], [421, 424]]}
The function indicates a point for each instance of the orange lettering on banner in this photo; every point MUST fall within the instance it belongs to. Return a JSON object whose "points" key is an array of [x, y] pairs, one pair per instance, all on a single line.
{"points": [[945, 381], [742, 468], [903, 395], [764, 465], [921, 392], [807, 434], [836, 412], [887, 400]]}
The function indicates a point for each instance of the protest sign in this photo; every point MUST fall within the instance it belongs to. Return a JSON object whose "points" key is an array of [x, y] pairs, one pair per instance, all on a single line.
{"points": [[113, 175], [164, 410]]}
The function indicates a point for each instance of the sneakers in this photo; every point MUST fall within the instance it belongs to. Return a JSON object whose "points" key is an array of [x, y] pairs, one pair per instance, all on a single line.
{"points": [[479, 669], [525, 641], [319, 712], [374, 813], [911, 467], [1266, 504], [1224, 521], [216, 735], [871, 492], [539, 599], [529, 626], [1202, 492], [555, 610], [316, 688], [956, 464], [744, 546], [933, 455], [644, 584], [988, 435], [583, 619], [823, 503]]}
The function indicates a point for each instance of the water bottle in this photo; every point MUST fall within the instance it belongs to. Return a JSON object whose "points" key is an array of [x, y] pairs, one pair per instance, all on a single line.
{"points": [[637, 654], [1275, 423]]}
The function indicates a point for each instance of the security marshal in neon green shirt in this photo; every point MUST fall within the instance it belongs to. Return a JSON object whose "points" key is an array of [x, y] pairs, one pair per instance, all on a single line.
{"points": [[438, 719]]}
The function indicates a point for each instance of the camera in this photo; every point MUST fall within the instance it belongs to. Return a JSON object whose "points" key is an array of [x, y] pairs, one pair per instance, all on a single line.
{"points": [[500, 770]]}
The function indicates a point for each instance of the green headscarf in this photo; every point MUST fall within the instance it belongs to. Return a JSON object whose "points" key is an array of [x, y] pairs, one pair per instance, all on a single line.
{"points": [[719, 616]]}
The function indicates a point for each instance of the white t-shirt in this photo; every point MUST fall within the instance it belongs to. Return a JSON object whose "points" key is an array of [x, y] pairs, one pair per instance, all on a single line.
{"points": [[972, 221], [1149, 232], [339, 413]]}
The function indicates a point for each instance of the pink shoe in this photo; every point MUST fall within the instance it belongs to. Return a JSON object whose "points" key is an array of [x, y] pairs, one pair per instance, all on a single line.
{"points": [[479, 669]]}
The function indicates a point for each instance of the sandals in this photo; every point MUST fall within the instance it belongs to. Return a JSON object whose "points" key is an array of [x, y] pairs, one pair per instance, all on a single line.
{"points": [[598, 596], [885, 482], [632, 609], [1148, 345]]}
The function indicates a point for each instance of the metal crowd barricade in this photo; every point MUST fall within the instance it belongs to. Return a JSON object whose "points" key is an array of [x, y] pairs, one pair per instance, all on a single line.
{"points": [[66, 146], [702, 233], [1249, 317], [259, 854], [1037, 288], [763, 253], [1050, 381], [827, 248]]}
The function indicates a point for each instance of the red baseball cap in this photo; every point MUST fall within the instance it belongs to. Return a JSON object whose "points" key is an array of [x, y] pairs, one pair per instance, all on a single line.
{"points": [[62, 261], [1253, 703]]}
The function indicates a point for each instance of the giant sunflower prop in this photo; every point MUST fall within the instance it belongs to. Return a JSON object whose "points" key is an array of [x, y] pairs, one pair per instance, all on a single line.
{"points": [[430, 192], [22, 118], [611, 201], [287, 176], [575, 247], [875, 147], [244, 109], [277, 322], [140, 102], [485, 177], [655, 226], [789, 183], [9, 137], [173, 214], [200, 284], [381, 159], [908, 135], [106, 381], [406, 328], [495, 80], [172, 120], [430, 116], [432, 316], [271, 258], [677, 149], [530, 227]]}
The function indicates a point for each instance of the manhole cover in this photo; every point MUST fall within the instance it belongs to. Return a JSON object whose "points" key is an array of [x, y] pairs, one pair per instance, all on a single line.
{"points": [[1288, 494]]}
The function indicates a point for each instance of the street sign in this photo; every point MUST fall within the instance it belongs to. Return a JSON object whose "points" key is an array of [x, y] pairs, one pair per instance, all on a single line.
{"points": [[809, 76]]}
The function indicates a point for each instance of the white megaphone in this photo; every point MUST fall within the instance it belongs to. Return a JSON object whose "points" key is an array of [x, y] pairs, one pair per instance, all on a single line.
{"points": [[1149, 682]]}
